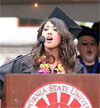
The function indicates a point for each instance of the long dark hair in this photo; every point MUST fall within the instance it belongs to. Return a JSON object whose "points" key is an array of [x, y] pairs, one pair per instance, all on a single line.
{"points": [[67, 47]]}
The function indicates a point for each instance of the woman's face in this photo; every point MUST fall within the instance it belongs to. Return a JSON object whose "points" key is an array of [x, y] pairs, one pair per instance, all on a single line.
{"points": [[52, 37]]}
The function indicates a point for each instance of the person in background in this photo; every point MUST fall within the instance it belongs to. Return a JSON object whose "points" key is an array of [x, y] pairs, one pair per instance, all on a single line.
{"points": [[57, 55], [88, 47], [96, 27]]}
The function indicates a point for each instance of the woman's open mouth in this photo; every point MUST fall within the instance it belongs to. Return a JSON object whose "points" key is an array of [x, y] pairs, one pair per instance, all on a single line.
{"points": [[49, 39]]}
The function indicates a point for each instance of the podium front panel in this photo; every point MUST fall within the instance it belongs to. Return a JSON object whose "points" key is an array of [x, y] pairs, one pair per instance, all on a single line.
{"points": [[18, 87]]}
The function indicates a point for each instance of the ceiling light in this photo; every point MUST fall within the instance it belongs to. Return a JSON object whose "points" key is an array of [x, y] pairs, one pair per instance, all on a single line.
{"points": [[36, 4]]}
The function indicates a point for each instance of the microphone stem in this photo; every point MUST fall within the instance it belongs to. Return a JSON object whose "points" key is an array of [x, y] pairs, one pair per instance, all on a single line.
{"points": [[22, 56]]}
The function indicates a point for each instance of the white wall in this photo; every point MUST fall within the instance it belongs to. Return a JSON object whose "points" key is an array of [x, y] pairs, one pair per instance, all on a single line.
{"points": [[10, 33]]}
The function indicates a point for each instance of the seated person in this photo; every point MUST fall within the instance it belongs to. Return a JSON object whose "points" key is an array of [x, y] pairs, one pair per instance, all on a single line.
{"points": [[96, 27], [88, 47]]}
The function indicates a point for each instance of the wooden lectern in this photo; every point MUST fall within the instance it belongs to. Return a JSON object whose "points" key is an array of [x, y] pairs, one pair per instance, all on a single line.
{"points": [[18, 87]]}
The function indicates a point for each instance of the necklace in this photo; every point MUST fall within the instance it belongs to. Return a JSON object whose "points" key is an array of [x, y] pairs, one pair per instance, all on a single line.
{"points": [[45, 68]]}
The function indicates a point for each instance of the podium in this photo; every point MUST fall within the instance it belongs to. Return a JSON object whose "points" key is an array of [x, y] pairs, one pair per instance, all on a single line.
{"points": [[18, 87]]}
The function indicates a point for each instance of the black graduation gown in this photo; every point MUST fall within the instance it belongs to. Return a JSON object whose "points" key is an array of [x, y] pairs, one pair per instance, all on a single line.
{"points": [[23, 66]]}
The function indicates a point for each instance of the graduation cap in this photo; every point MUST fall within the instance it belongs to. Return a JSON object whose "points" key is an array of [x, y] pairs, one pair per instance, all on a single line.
{"points": [[86, 31], [72, 26]]}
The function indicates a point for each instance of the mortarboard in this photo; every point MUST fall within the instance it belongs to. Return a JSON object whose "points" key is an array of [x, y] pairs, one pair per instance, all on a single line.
{"points": [[72, 26], [90, 32]]}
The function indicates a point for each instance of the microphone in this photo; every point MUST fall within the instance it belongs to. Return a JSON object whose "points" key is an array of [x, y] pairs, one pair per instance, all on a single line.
{"points": [[41, 40]]}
